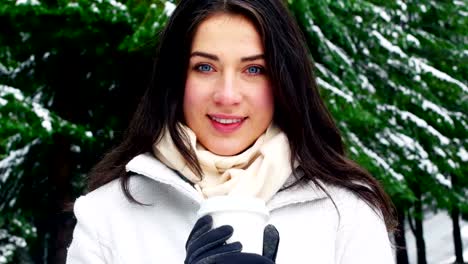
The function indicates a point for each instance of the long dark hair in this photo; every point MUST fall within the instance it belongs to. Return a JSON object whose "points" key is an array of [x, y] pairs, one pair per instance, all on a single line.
{"points": [[314, 139]]}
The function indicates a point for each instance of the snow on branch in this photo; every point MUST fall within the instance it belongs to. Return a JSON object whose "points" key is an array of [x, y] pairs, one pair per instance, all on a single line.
{"points": [[28, 2], [333, 89], [38, 109], [332, 47], [5, 90], [328, 73], [388, 45], [380, 161], [427, 104], [405, 115], [118, 5], [169, 8], [463, 154], [420, 65], [12, 243], [23, 65], [14, 159], [414, 151], [382, 13]]}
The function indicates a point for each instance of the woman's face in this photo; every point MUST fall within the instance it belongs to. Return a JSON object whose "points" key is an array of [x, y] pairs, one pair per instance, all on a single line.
{"points": [[228, 101]]}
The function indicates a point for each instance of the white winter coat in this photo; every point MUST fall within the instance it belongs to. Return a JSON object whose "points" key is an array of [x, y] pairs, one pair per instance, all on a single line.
{"points": [[110, 229]]}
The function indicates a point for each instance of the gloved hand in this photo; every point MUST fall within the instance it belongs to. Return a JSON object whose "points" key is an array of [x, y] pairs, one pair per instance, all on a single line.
{"points": [[204, 244], [208, 246], [270, 248]]}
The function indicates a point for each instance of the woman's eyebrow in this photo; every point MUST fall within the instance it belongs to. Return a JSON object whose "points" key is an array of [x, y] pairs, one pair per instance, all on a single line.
{"points": [[205, 55], [215, 58], [252, 58]]}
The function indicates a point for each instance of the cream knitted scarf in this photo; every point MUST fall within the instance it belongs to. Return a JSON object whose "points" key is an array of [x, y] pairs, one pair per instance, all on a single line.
{"points": [[259, 171]]}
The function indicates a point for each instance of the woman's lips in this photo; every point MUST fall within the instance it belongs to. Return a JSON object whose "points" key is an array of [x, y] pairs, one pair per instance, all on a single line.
{"points": [[226, 123]]}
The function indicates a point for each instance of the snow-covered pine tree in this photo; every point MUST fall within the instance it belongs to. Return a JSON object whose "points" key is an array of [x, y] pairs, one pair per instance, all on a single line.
{"points": [[71, 73], [393, 74]]}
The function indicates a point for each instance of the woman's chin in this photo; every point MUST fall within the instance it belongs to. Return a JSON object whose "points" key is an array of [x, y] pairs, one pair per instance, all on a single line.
{"points": [[225, 150]]}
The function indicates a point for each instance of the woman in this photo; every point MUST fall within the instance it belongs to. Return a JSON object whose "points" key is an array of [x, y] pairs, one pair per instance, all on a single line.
{"points": [[234, 109]]}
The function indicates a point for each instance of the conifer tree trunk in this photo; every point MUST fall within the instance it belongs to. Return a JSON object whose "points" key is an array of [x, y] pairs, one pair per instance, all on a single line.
{"points": [[419, 230], [457, 241], [455, 215], [60, 222], [400, 240]]}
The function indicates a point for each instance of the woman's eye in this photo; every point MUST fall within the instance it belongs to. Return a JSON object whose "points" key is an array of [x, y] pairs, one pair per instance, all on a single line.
{"points": [[254, 70], [204, 68]]}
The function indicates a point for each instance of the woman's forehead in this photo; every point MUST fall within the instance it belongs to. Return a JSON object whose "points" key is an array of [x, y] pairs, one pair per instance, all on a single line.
{"points": [[225, 32]]}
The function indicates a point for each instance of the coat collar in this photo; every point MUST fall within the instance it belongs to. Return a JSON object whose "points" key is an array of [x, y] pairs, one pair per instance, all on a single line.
{"points": [[147, 165]]}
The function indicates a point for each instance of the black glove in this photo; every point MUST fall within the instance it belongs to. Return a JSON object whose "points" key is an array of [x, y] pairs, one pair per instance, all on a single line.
{"points": [[208, 246], [270, 248], [204, 244]]}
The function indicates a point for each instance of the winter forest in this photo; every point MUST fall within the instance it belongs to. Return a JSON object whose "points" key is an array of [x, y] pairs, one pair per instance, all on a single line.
{"points": [[393, 73]]}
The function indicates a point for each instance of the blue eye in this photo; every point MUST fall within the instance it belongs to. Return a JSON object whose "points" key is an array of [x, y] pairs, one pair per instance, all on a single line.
{"points": [[204, 68], [254, 70]]}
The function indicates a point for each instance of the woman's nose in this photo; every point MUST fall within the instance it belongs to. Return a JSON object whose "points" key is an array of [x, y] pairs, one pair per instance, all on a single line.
{"points": [[228, 91]]}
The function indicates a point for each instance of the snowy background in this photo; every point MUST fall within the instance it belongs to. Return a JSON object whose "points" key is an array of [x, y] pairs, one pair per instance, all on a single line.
{"points": [[439, 239], [393, 73]]}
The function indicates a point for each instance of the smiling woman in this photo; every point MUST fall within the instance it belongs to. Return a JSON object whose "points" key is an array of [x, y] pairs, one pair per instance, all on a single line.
{"points": [[233, 140]]}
